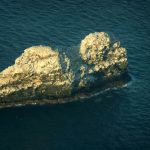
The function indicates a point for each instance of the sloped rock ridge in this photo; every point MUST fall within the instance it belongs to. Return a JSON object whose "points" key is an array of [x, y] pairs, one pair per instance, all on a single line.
{"points": [[44, 73]]}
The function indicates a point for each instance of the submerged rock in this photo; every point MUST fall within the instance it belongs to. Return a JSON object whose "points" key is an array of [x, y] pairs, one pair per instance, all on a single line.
{"points": [[43, 73]]}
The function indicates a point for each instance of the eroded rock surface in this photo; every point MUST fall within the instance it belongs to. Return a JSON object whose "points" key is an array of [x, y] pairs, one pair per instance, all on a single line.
{"points": [[37, 73], [102, 56], [41, 72]]}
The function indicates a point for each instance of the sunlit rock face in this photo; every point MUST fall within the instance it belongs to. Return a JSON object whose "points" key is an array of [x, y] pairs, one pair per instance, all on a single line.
{"points": [[103, 55], [37, 73], [41, 72]]}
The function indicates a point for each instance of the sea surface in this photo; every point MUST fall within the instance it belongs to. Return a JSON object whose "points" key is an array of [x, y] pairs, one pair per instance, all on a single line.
{"points": [[116, 119]]}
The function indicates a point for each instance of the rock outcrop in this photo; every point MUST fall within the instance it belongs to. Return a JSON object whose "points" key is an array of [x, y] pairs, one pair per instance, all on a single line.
{"points": [[43, 73], [37, 73], [103, 56]]}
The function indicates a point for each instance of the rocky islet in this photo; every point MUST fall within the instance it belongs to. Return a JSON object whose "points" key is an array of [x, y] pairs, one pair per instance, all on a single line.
{"points": [[42, 72]]}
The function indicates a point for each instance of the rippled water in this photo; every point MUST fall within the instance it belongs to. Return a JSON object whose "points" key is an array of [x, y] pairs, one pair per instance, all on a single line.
{"points": [[115, 119]]}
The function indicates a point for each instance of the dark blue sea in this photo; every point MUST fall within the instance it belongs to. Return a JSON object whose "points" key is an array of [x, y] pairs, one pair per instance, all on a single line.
{"points": [[117, 119]]}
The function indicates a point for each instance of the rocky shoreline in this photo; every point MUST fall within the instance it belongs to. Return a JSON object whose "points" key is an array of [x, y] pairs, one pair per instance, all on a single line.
{"points": [[42, 73]]}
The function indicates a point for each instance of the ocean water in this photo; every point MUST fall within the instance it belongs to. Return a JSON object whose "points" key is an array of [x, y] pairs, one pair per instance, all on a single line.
{"points": [[117, 119]]}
